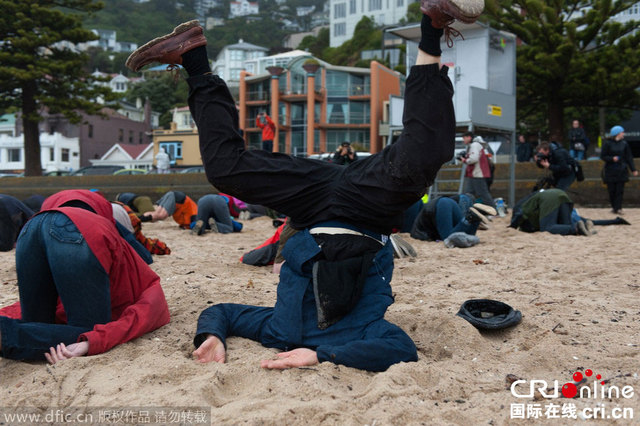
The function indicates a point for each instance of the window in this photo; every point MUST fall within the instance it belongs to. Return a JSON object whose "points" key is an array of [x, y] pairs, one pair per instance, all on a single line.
{"points": [[400, 3], [174, 149], [64, 155], [237, 55], [120, 135], [14, 155], [375, 4], [352, 7], [140, 138], [339, 10], [90, 130], [339, 29], [130, 136], [337, 83], [52, 154]]}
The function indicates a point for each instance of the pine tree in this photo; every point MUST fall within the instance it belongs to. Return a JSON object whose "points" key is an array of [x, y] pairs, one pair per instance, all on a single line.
{"points": [[572, 55], [37, 71]]}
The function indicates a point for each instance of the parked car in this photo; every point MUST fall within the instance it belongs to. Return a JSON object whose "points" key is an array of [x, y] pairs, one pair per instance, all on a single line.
{"points": [[130, 172], [96, 170], [57, 173], [3, 175], [194, 169]]}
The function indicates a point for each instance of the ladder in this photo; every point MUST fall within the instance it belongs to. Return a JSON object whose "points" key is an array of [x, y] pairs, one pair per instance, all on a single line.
{"points": [[447, 180]]}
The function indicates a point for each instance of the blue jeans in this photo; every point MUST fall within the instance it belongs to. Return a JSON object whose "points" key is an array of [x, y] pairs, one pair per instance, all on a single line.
{"points": [[578, 155], [53, 260], [450, 217], [215, 206]]}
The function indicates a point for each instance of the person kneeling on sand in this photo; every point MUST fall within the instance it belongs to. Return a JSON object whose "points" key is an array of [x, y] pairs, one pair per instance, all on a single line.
{"points": [[551, 210], [443, 216], [334, 285], [83, 288]]}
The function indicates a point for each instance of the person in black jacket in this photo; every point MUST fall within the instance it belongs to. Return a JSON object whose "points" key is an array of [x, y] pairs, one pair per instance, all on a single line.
{"points": [[617, 157], [556, 159], [524, 150], [344, 155]]}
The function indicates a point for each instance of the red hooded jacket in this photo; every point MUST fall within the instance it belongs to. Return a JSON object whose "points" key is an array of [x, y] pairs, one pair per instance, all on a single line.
{"points": [[268, 128], [138, 305]]}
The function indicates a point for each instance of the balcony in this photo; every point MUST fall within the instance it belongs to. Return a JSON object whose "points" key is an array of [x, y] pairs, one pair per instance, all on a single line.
{"points": [[359, 92], [258, 98]]}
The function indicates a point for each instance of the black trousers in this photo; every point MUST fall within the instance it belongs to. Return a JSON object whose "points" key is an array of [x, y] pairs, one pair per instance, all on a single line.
{"points": [[616, 191], [371, 193], [558, 221]]}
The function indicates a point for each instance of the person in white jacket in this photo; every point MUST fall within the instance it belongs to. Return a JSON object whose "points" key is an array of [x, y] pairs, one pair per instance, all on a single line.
{"points": [[162, 162], [478, 169]]}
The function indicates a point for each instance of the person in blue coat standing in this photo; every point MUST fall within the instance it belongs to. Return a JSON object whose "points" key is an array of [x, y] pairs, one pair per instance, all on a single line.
{"points": [[618, 160]]}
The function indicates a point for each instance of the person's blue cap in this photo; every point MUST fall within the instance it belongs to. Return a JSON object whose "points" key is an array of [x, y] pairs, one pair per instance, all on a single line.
{"points": [[616, 130]]}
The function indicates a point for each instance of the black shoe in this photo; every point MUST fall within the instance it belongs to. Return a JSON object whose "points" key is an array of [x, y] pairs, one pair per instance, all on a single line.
{"points": [[474, 216], [622, 221]]}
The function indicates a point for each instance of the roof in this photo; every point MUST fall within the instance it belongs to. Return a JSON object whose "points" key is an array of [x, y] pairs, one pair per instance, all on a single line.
{"points": [[242, 45], [7, 120], [291, 53], [134, 150]]}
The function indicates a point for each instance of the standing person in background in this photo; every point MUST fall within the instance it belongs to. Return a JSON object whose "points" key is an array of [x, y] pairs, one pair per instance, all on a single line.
{"points": [[617, 157], [578, 142], [478, 169], [163, 162], [344, 155], [524, 150], [268, 128]]}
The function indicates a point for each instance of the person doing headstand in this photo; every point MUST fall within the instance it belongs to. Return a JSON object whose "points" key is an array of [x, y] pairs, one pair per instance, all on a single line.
{"points": [[334, 285]]}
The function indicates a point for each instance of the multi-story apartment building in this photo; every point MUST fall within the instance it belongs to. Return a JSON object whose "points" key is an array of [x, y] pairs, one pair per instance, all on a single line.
{"points": [[317, 109], [344, 15], [243, 8], [231, 60]]}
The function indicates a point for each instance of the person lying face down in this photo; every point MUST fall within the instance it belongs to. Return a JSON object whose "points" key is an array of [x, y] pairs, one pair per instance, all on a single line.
{"points": [[83, 288]]}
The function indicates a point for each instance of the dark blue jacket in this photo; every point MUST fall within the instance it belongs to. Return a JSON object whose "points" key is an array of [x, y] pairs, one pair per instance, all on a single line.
{"points": [[354, 341]]}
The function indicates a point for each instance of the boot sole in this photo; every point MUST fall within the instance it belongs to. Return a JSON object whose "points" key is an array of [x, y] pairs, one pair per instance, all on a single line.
{"points": [[184, 27], [485, 209]]}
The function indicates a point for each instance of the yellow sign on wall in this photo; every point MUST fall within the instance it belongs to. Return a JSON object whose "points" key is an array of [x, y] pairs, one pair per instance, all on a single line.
{"points": [[494, 110]]}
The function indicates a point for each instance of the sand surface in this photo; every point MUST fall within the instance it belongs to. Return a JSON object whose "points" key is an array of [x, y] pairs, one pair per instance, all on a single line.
{"points": [[579, 297]]}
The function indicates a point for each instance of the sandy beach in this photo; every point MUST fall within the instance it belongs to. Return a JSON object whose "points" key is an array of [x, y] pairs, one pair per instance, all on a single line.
{"points": [[578, 297]]}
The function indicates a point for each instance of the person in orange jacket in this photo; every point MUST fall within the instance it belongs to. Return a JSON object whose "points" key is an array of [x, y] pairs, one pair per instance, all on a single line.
{"points": [[176, 204], [268, 128]]}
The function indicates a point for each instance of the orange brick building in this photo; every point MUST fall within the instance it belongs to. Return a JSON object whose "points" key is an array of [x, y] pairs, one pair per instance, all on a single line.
{"points": [[315, 110]]}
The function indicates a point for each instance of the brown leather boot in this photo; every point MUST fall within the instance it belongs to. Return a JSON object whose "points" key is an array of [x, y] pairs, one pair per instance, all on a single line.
{"points": [[169, 48], [444, 12]]}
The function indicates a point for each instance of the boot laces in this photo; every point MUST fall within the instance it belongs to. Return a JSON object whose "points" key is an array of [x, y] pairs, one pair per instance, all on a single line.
{"points": [[450, 33], [175, 70]]}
